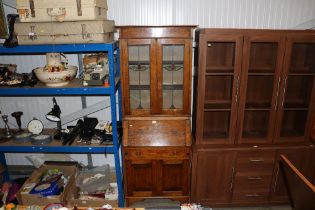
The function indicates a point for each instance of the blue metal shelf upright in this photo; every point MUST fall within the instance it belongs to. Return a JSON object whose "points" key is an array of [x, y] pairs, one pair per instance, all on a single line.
{"points": [[113, 52]]}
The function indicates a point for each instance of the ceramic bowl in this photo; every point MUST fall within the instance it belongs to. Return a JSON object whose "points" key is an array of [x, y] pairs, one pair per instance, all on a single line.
{"points": [[56, 79]]}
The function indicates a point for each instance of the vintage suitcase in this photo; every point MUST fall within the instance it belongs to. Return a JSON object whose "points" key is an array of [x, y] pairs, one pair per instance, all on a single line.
{"points": [[61, 10], [92, 31]]}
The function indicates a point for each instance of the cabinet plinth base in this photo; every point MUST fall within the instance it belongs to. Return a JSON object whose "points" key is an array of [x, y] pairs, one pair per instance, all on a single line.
{"points": [[169, 200]]}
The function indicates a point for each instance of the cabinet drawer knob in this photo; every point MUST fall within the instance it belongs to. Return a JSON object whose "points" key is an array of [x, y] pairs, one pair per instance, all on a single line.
{"points": [[254, 178], [256, 160], [254, 195]]}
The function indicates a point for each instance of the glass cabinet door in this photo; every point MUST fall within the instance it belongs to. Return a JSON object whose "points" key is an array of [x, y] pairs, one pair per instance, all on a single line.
{"points": [[260, 88], [173, 75], [137, 74], [298, 91], [219, 77], [156, 76]]}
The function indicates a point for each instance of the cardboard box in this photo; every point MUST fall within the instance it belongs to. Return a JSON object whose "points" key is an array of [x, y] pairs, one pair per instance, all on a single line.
{"points": [[74, 200], [24, 198]]}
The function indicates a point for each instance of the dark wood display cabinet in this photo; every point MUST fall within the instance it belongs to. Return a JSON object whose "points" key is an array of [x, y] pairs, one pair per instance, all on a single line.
{"points": [[254, 97], [156, 68], [255, 86]]}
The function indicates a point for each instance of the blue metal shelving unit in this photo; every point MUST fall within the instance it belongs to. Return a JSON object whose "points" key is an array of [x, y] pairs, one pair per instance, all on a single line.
{"points": [[114, 79]]}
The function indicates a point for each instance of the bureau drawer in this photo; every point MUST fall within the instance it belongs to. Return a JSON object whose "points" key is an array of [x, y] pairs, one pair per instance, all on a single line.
{"points": [[255, 160], [252, 181], [250, 196], [156, 153]]}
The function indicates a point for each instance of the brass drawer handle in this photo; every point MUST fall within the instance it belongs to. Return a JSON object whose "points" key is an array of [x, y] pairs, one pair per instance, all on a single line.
{"points": [[284, 91], [138, 153], [276, 179], [256, 160], [277, 94], [254, 178], [255, 195], [237, 89], [232, 179]]}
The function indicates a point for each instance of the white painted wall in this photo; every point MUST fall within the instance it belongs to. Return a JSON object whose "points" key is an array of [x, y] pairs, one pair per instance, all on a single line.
{"points": [[271, 14]]}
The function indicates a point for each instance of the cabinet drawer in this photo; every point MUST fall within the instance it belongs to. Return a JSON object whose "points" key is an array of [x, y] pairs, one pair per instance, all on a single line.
{"points": [[252, 181], [255, 160], [154, 153], [250, 196]]}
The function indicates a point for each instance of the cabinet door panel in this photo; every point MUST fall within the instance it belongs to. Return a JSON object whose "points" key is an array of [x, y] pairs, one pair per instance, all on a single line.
{"points": [[213, 177], [298, 91], [139, 177], [261, 70], [278, 189], [218, 85], [174, 177]]}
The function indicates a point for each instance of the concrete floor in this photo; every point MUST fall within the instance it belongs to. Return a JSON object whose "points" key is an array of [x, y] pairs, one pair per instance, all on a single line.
{"points": [[257, 208], [166, 204]]}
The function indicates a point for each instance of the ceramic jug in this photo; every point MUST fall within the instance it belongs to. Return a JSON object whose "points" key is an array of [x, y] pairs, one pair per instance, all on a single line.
{"points": [[57, 61]]}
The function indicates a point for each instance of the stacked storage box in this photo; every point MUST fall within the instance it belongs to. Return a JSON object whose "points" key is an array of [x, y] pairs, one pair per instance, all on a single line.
{"points": [[63, 21]]}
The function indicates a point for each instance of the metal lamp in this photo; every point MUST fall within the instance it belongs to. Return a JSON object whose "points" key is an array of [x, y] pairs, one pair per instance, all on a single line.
{"points": [[54, 116]]}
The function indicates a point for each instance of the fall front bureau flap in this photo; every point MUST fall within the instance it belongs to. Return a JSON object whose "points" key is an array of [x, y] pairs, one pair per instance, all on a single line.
{"points": [[156, 131]]}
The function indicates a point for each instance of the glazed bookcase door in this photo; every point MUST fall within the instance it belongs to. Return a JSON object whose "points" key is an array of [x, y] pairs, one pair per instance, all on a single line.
{"points": [[218, 85], [138, 66], [173, 76], [298, 91], [261, 72]]}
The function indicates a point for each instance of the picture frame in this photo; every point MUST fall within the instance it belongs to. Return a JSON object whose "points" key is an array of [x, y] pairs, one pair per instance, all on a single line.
{"points": [[4, 34]]}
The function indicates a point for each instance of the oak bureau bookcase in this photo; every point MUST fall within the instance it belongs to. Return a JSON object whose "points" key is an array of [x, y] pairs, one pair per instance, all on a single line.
{"points": [[156, 64]]}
